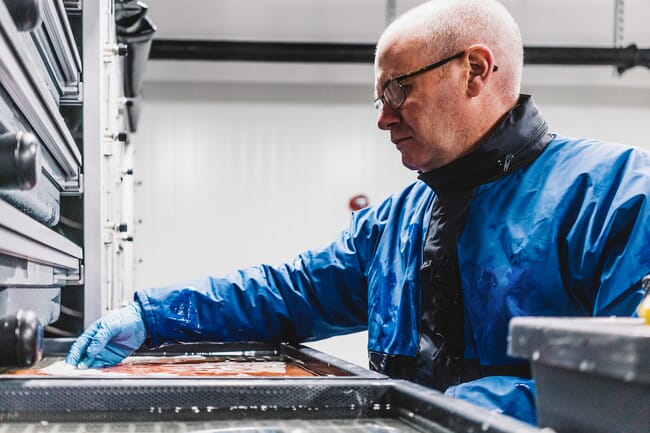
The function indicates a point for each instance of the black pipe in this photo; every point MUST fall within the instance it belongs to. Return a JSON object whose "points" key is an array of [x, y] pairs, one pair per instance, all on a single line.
{"points": [[309, 52], [304, 52], [622, 58]]}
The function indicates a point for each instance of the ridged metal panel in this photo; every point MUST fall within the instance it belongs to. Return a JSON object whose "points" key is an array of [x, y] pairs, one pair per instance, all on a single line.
{"points": [[31, 98]]}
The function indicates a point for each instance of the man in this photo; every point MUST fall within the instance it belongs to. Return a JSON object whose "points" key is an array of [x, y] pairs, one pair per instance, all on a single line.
{"points": [[505, 220]]}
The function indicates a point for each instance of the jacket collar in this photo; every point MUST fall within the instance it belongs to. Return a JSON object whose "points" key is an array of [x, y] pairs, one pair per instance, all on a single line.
{"points": [[516, 142]]}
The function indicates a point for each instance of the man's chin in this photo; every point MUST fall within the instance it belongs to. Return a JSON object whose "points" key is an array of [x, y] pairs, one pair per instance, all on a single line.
{"points": [[413, 165], [410, 165]]}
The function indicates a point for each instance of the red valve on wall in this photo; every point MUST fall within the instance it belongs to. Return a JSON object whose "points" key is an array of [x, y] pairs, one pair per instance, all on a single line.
{"points": [[358, 201]]}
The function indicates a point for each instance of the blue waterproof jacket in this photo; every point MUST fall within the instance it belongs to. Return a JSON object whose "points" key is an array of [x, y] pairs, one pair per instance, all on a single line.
{"points": [[559, 230]]}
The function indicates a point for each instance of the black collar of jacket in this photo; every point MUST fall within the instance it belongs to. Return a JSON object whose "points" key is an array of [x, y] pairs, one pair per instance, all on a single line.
{"points": [[517, 141]]}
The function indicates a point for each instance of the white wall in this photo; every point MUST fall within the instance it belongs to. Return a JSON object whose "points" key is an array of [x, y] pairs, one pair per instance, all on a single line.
{"points": [[234, 175], [239, 174]]}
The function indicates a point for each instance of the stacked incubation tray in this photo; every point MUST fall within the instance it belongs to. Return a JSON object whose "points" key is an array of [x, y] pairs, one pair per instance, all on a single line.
{"points": [[246, 387], [197, 361], [66, 162], [40, 70]]}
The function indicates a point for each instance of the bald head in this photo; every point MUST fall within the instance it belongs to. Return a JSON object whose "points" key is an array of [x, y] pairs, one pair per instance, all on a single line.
{"points": [[444, 27], [446, 73]]}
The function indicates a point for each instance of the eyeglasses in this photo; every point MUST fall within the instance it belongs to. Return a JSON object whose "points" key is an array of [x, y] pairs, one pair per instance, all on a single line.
{"points": [[394, 94]]}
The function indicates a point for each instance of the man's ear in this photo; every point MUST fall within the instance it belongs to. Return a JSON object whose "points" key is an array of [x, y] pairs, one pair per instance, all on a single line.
{"points": [[481, 67]]}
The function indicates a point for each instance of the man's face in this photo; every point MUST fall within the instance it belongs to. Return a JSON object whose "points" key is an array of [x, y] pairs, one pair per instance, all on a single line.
{"points": [[428, 128]]}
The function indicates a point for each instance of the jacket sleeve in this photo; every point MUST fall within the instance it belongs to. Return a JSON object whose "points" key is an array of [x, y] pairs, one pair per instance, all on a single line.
{"points": [[607, 242], [322, 293], [509, 395]]}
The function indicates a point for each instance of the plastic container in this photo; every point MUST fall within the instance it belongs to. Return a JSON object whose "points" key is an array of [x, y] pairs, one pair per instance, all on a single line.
{"points": [[592, 374]]}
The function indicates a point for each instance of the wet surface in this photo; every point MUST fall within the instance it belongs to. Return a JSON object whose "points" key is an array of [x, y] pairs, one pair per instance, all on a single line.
{"points": [[171, 366]]}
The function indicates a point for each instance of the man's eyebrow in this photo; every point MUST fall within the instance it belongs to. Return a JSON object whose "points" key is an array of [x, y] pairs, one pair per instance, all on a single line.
{"points": [[385, 82]]}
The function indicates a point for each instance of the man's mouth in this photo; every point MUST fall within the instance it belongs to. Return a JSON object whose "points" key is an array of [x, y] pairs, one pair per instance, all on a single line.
{"points": [[398, 141]]}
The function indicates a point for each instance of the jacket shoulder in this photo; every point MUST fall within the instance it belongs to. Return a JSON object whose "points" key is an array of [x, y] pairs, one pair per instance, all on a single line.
{"points": [[591, 153]]}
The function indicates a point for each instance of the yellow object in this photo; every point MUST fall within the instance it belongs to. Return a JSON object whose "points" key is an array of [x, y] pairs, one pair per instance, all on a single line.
{"points": [[644, 310]]}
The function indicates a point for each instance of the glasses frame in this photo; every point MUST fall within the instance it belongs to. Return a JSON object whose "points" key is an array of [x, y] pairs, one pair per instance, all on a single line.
{"points": [[380, 101]]}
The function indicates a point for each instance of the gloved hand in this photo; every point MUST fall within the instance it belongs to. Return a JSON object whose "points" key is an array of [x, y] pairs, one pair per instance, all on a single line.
{"points": [[110, 339]]}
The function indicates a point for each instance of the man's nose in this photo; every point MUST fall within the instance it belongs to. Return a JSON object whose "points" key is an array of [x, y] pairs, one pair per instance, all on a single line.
{"points": [[387, 117]]}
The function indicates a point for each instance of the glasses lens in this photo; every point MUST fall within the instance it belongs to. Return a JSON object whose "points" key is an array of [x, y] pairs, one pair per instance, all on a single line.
{"points": [[393, 94]]}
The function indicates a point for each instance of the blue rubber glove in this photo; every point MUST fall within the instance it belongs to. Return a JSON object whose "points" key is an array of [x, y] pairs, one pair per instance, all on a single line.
{"points": [[110, 339]]}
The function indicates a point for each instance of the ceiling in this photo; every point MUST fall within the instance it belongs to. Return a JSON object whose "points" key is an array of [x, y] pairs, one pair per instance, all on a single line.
{"points": [[542, 22]]}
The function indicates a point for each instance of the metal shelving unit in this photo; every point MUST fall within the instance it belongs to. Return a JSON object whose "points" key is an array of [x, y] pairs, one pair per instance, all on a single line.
{"points": [[34, 108], [60, 242]]}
